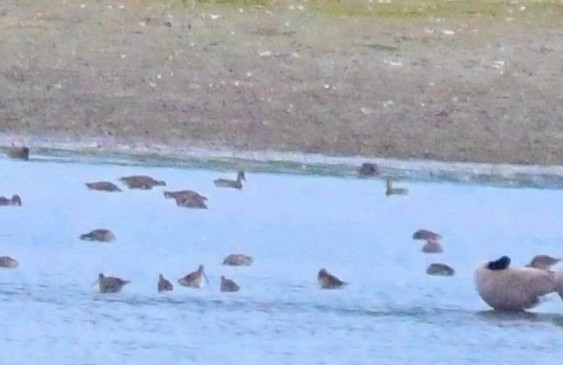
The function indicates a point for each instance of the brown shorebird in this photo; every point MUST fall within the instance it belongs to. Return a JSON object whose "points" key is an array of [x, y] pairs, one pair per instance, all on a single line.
{"points": [[110, 284], [103, 186], [391, 190], [238, 259], [193, 279], [8, 263], [329, 281], [164, 284], [100, 235], [226, 183], [142, 182], [15, 200], [432, 239], [227, 285], [184, 193], [440, 269], [368, 169], [425, 234], [18, 152], [544, 262]]}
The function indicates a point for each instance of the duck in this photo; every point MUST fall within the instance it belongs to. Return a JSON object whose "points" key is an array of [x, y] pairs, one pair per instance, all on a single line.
{"points": [[110, 284], [432, 246], [238, 259], [164, 284], [544, 262], [514, 289], [228, 285], [18, 152], [391, 190], [184, 193], [425, 234], [99, 234], [368, 169], [432, 239], [142, 182], [193, 279], [14, 201], [439, 269], [328, 281], [103, 186], [8, 262], [226, 183], [190, 202]]}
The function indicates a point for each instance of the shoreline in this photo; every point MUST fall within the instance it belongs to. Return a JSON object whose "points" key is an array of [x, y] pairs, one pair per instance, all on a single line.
{"points": [[142, 153], [461, 81]]}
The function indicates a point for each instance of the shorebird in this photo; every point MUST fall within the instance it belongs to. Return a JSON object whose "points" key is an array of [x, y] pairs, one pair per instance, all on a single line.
{"points": [[432, 239], [505, 288], [329, 281], [8, 263], [15, 200], [193, 279], [391, 190], [142, 182], [164, 284], [110, 284], [103, 186], [238, 259], [544, 262], [184, 193], [368, 169], [100, 234], [425, 234], [439, 269], [18, 152], [226, 183], [227, 285]]}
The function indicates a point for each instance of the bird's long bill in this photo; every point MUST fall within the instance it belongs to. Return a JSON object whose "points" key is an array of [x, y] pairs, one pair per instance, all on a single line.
{"points": [[205, 276], [95, 283]]}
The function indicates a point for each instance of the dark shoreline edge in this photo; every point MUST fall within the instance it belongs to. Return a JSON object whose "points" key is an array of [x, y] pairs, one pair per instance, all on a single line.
{"points": [[144, 153]]}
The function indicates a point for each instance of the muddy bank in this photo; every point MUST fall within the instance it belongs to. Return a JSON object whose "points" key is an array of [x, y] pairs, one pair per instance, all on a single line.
{"points": [[464, 83]]}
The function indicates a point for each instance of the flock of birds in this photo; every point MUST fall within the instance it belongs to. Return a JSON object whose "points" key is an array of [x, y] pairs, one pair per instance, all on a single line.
{"points": [[499, 285]]}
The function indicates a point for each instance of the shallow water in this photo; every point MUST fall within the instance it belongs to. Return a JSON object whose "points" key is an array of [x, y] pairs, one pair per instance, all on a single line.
{"points": [[390, 313]]}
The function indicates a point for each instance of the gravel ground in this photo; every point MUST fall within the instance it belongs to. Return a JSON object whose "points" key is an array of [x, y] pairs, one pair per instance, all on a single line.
{"points": [[452, 81]]}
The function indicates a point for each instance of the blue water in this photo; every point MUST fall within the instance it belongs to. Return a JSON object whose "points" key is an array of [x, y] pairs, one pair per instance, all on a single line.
{"points": [[391, 313]]}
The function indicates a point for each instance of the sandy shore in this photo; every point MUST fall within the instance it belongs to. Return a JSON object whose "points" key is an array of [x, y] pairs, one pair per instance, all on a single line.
{"points": [[453, 82]]}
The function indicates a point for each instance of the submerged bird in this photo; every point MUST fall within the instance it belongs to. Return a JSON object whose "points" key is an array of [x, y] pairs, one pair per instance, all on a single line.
{"points": [[329, 281], [164, 284], [193, 279], [103, 186], [505, 288], [8, 263], [184, 193], [368, 169], [544, 262], [440, 269], [391, 190], [227, 285], [187, 202], [142, 182], [15, 200], [432, 246], [100, 234], [226, 183], [238, 259], [110, 284], [18, 152]]}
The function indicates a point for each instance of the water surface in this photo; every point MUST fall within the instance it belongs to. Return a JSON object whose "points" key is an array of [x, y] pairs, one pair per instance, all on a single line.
{"points": [[390, 313]]}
